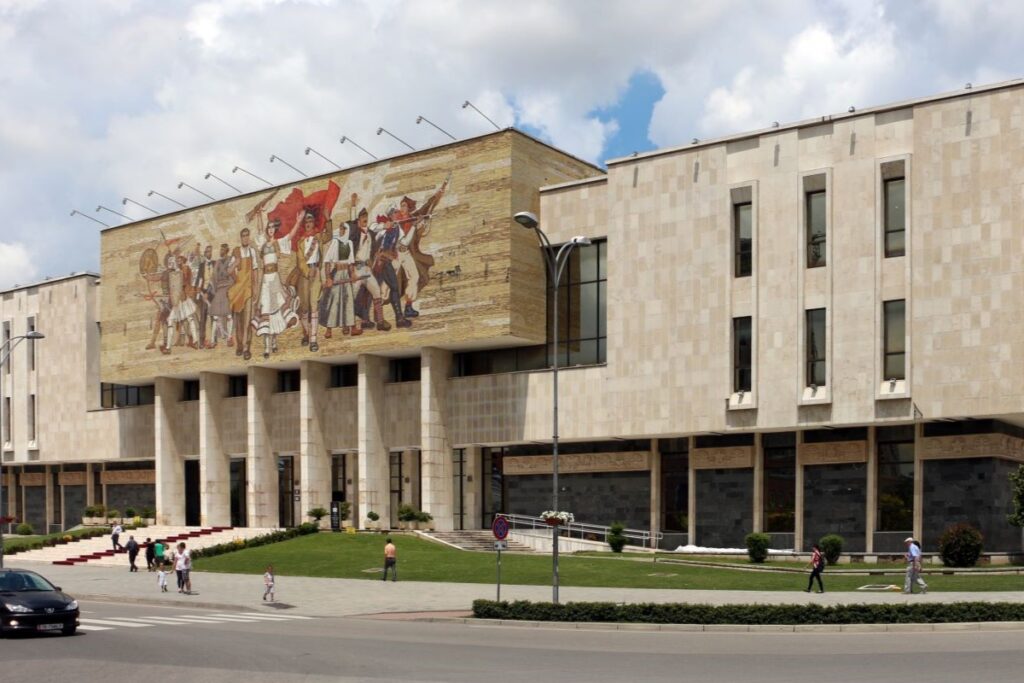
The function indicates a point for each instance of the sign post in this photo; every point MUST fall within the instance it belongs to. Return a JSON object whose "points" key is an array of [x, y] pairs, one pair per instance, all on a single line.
{"points": [[500, 530], [335, 516]]}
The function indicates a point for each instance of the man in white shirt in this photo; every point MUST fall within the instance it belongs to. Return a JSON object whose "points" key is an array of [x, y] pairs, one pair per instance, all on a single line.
{"points": [[115, 536], [913, 558]]}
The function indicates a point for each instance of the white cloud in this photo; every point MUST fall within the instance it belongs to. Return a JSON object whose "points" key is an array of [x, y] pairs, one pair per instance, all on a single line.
{"points": [[16, 265]]}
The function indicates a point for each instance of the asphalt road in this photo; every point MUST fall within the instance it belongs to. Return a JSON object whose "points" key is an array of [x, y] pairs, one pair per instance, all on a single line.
{"points": [[132, 642]]}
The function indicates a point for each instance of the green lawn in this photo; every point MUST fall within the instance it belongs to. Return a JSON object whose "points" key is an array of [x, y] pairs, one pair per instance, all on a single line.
{"points": [[361, 557]]}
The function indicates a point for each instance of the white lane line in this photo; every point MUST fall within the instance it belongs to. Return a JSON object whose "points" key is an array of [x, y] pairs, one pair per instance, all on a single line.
{"points": [[254, 617], [109, 622], [162, 621], [283, 616], [209, 620], [86, 627]]}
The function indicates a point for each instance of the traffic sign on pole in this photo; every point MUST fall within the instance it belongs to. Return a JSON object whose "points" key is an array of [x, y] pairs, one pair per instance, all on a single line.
{"points": [[499, 527]]}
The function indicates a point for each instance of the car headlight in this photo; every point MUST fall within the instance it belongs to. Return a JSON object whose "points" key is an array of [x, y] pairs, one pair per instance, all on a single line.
{"points": [[71, 605], [14, 607]]}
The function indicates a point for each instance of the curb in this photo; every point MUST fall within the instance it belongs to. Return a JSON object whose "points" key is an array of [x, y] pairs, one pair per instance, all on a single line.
{"points": [[739, 628]]}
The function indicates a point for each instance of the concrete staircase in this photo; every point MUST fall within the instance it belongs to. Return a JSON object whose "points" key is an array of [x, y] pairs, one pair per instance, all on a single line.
{"points": [[477, 540], [99, 551]]}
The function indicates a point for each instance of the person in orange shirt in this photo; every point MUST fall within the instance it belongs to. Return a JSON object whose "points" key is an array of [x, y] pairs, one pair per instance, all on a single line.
{"points": [[390, 561]]}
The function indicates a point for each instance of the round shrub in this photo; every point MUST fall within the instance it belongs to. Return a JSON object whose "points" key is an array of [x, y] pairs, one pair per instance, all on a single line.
{"points": [[832, 546], [615, 537], [757, 546], [960, 545], [24, 529], [129, 512], [113, 514]]}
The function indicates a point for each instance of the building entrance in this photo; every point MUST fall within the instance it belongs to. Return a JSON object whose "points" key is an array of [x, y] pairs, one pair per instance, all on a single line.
{"points": [[238, 493], [192, 493], [459, 488], [396, 486], [286, 482]]}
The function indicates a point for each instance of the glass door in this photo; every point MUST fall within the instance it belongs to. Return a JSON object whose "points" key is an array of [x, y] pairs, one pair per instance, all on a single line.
{"points": [[396, 486], [286, 480], [459, 488]]}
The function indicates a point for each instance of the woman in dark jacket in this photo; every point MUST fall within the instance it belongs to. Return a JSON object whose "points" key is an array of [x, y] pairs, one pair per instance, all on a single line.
{"points": [[817, 567]]}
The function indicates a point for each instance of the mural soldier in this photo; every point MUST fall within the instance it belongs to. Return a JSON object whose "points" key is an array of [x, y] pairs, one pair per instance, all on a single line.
{"points": [[363, 244], [220, 306], [305, 279], [384, 263], [413, 265], [202, 283], [177, 282], [337, 302], [276, 303], [246, 264]]}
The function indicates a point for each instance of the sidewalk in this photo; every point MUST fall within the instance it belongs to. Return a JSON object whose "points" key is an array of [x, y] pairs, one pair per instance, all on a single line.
{"points": [[347, 597]]}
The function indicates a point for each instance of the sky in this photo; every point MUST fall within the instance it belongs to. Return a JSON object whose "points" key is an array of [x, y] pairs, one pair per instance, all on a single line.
{"points": [[108, 99]]}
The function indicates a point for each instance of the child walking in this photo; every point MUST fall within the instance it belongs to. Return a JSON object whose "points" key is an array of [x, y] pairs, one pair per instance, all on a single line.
{"points": [[268, 582], [161, 577]]}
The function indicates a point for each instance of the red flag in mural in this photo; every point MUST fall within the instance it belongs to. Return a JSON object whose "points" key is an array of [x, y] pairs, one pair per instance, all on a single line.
{"points": [[320, 204]]}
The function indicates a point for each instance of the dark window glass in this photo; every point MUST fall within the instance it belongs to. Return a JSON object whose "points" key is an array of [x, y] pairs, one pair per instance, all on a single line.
{"points": [[344, 375], [31, 345], [895, 191], [834, 435], [724, 440], [895, 482], [338, 476], [288, 380], [582, 307], [816, 347], [404, 370], [238, 385], [124, 396], [743, 238], [894, 354], [675, 485], [780, 483], [816, 224], [190, 390], [742, 344]]}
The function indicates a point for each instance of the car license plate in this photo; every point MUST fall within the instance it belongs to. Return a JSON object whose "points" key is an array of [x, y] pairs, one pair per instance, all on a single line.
{"points": [[49, 627]]}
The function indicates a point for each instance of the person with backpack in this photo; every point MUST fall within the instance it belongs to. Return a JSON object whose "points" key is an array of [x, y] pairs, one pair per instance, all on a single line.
{"points": [[817, 567]]}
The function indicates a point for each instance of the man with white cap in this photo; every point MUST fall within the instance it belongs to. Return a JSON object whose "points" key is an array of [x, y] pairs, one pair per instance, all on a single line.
{"points": [[913, 558]]}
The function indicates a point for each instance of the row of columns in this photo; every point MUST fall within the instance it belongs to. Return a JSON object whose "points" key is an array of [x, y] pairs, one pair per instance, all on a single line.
{"points": [[314, 456]]}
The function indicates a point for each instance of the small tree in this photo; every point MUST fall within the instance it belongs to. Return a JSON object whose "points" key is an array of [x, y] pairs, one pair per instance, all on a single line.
{"points": [[406, 513], [1017, 486], [317, 513], [960, 545], [113, 514], [832, 546], [757, 546], [615, 537], [344, 509], [129, 512], [24, 529], [372, 516]]}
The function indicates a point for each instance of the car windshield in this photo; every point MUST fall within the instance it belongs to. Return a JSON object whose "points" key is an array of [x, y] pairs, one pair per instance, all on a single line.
{"points": [[16, 582]]}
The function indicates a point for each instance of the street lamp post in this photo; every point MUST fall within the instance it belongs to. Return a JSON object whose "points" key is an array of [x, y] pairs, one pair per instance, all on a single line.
{"points": [[555, 262], [5, 354]]}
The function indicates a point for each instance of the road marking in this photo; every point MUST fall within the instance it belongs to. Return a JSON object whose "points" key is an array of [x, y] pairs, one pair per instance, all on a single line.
{"points": [[109, 622], [256, 617], [283, 616], [86, 627]]}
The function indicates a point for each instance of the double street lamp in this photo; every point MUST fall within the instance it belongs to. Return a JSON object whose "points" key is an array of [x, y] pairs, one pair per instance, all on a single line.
{"points": [[555, 262], [5, 354]]}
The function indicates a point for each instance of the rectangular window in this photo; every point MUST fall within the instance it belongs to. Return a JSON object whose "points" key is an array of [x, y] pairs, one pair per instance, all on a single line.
{"points": [[675, 485], [190, 390], [124, 396], [894, 353], [404, 370], [7, 420], [816, 371], [743, 238], [742, 346], [287, 381], [779, 482], [816, 224], [582, 310], [344, 376], [895, 191], [895, 511], [238, 385], [31, 345], [6, 347], [32, 417]]}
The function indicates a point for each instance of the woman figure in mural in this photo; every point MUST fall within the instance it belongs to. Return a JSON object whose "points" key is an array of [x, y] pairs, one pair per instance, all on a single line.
{"points": [[220, 306], [276, 304], [336, 305]]}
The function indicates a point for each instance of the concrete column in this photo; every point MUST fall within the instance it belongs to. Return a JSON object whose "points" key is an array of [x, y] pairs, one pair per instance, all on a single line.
{"points": [[314, 458], [871, 501], [758, 496], [214, 462], [918, 483], [261, 463], [798, 506], [90, 488], [691, 497], [374, 492], [655, 492], [170, 465], [435, 368]]}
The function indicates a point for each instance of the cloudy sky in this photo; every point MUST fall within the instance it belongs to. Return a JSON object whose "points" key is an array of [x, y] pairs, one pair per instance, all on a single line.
{"points": [[106, 99]]}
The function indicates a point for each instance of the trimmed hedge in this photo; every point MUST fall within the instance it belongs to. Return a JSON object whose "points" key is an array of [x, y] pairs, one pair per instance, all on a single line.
{"points": [[257, 541], [678, 613]]}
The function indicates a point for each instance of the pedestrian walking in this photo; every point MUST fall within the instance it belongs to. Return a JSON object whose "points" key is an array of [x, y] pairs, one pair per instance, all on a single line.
{"points": [[161, 576], [913, 575], [115, 536], [817, 567], [183, 567], [132, 546], [390, 560], [158, 552], [268, 583], [150, 556]]}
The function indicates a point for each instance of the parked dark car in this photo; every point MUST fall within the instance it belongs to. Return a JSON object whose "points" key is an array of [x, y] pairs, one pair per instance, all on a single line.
{"points": [[30, 603]]}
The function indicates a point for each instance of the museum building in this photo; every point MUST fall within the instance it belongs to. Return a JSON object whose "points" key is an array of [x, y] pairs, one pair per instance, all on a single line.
{"points": [[813, 328]]}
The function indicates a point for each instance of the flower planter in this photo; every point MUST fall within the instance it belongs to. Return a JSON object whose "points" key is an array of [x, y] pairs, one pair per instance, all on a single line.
{"points": [[552, 521]]}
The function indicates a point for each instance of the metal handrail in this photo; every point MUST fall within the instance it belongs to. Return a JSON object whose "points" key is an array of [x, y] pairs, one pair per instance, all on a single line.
{"points": [[643, 536]]}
